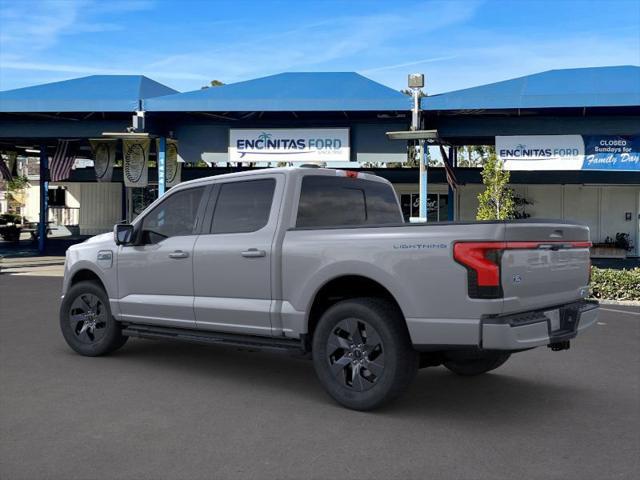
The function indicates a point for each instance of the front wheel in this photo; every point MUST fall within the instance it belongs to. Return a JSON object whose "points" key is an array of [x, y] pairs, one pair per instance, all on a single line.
{"points": [[362, 353], [86, 321], [475, 363]]}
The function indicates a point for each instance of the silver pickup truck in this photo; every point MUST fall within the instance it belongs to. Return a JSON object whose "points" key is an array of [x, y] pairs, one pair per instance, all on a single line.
{"points": [[319, 262]]}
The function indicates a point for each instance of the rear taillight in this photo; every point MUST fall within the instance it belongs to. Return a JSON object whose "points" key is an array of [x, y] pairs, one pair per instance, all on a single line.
{"points": [[482, 261]]}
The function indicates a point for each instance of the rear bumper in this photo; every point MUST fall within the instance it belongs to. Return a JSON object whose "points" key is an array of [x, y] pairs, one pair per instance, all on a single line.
{"points": [[538, 328], [505, 332]]}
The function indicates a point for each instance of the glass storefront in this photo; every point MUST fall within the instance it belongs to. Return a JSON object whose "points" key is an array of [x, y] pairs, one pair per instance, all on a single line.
{"points": [[437, 206], [139, 199]]}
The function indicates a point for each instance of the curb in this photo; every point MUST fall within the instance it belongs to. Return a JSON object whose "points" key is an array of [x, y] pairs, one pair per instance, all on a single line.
{"points": [[9, 266], [628, 303], [29, 265]]}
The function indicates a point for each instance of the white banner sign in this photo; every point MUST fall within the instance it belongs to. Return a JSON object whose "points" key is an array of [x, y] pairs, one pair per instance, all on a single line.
{"points": [[136, 162], [173, 166], [541, 152], [289, 145], [104, 157]]}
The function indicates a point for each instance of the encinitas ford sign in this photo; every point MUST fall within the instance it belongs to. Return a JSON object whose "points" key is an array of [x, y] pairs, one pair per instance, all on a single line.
{"points": [[541, 152], [569, 152], [289, 145]]}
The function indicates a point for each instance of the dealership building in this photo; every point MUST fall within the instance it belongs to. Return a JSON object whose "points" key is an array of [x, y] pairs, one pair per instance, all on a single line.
{"points": [[571, 139]]}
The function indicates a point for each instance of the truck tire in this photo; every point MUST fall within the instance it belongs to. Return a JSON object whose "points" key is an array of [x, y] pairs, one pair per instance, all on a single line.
{"points": [[362, 353], [476, 363], [86, 321]]}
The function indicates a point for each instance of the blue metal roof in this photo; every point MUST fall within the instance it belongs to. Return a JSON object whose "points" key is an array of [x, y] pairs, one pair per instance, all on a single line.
{"points": [[577, 87], [299, 92], [96, 93]]}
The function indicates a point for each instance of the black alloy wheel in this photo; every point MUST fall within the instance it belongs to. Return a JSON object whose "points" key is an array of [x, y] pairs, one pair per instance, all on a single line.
{"points": [[362, 352], [356, 354], [87, 318], [86, 321]]}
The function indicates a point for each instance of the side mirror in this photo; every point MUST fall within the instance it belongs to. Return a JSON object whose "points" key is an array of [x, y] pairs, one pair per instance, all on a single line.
{"points": [[123, 233]]}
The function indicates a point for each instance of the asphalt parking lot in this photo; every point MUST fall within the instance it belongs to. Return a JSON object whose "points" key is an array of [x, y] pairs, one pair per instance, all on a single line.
{"points": [[160, 410]]}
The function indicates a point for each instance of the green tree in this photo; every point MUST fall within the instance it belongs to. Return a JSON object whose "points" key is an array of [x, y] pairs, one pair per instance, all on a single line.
{"points": [[15, 194], [213, 83], [496, 202], [474, 155]]}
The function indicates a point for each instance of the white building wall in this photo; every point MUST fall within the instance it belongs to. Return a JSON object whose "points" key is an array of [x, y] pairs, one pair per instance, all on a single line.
{"points": [[581, 204], [100, 207], [546, 200], [31, 208], [100, 204], [615, 203], [73, 195], [602, 208], [467, 202]]}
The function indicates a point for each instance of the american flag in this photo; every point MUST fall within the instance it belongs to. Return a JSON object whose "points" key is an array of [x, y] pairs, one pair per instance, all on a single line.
{"points": [[62, 160], [448, 169], [4, 170]]}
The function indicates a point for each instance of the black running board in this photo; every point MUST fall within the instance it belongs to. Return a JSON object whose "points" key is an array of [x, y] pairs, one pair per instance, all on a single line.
{"points": [[294, 346]]}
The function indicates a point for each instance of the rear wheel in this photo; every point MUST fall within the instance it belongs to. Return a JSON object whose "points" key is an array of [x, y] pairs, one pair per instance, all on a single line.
{"points": [[362, 353], [86, 321], [469, 364]]}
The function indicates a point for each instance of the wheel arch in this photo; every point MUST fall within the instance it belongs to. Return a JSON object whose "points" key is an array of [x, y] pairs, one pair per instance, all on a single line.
{"points": [[344, 287], [85, 271], [86, 274]]}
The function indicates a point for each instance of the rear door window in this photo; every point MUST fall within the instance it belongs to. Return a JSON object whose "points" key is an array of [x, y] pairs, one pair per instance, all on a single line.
{"points": [[339, 201]]}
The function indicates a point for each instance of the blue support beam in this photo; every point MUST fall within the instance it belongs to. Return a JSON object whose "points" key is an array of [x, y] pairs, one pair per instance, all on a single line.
{"points": [[44, 199], [451, 198], [162, 160], [123, 204]]}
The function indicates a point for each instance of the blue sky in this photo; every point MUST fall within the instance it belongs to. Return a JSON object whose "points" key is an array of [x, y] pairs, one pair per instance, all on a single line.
{"points": [[184, 44]]}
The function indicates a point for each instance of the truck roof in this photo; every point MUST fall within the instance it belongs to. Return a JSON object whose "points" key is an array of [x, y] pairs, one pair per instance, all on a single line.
{"points": [[289, 171]]}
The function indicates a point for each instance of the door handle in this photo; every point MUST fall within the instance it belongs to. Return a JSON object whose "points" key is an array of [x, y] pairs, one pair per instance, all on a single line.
{"points": [[253, 253], [178, 254]]}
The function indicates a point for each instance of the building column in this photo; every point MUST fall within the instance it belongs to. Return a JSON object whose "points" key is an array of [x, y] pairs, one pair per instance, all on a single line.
{"points": [[44, 199], [453, 159], [422, 148]]}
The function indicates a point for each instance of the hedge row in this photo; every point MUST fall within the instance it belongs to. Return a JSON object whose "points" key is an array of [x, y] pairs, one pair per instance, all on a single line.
{"points": [[609, 284]]}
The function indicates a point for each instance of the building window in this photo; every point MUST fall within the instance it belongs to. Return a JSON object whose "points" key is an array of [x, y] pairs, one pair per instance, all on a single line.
{"points": [[437, 206], [57, 197]]}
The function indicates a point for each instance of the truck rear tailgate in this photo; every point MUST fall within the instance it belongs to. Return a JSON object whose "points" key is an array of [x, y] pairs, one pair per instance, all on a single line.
{"points": [[544, 264]]}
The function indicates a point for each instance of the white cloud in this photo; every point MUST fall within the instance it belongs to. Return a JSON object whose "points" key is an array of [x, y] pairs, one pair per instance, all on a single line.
{"points": [[90, 70], [436, 37], [408, 64], [348, 40], [31, 27], [499, 57]]}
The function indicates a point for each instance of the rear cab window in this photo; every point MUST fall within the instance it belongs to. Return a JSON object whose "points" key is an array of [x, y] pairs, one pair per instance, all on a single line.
{"points": [[327, 201]]}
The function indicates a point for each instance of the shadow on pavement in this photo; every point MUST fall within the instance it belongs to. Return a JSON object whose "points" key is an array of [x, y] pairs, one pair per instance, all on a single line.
{"points": [[498, 395]]}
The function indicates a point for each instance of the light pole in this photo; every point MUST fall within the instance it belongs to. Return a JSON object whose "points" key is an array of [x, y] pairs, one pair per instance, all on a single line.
{"points": [[416, 83]]}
